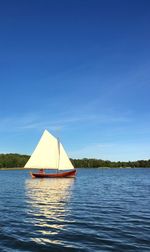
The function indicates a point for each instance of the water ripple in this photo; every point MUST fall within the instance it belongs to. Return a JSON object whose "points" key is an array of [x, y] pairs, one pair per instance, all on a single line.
{"points": [[101, 210]]}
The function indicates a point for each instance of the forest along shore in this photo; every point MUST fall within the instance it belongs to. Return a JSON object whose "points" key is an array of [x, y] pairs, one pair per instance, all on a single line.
{"points": [[17, 161]]}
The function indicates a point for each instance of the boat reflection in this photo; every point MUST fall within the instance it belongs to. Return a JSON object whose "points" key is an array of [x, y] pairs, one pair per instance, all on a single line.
{"points": [[47, 201]]}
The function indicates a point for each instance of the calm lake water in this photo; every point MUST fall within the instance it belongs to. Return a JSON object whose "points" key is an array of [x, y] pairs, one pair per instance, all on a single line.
{"points": [[100, 210]]}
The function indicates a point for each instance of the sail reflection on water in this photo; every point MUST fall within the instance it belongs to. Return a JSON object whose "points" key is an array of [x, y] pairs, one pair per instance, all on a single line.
{"points": [[47, 201]]}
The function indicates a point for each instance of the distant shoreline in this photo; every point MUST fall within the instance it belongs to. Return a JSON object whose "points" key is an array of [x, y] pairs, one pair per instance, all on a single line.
{"points": [[13, 168], [18, 161], [23, 169]]}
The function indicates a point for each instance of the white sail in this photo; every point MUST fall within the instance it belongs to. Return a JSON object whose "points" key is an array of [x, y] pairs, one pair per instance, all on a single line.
{"points": [[64, 161], [48, 154]]}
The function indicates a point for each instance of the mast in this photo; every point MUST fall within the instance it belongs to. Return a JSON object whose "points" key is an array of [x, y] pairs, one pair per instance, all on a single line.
{"points": [[58, 153]]}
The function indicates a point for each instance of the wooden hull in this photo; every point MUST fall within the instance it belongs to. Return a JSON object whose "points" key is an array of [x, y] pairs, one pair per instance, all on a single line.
{"points": [[69, 174]]}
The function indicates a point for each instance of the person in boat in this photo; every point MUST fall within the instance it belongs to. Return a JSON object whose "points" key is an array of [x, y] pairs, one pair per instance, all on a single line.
{"points": [[41, 171]]}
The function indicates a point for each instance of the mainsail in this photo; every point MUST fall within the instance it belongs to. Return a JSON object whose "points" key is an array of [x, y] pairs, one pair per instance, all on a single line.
{"points": [[49, 154]]}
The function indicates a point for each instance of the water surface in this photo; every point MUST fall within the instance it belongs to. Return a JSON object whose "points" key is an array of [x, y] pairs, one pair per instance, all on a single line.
{"points": [[100, 210]]}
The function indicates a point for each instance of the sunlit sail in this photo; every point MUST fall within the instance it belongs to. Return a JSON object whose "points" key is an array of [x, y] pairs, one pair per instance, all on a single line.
{"points": [[50, 154]]}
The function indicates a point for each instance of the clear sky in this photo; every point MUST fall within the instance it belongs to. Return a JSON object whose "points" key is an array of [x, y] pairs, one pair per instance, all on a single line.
{"points": [[79, 68]]}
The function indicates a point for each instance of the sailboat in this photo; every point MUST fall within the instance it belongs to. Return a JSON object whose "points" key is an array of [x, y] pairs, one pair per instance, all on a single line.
{"points": [[50, 154]]}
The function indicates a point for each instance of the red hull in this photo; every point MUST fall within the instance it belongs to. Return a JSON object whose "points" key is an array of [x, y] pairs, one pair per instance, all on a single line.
{"points": [[69, 174]]}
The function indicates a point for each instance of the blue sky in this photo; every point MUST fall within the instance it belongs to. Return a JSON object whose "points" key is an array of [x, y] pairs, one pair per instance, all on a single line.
{"points": [[81, 69]]}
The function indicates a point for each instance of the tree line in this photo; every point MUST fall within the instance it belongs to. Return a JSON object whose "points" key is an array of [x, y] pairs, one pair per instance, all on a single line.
{"points": [[95, 163], [13, 160]]}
